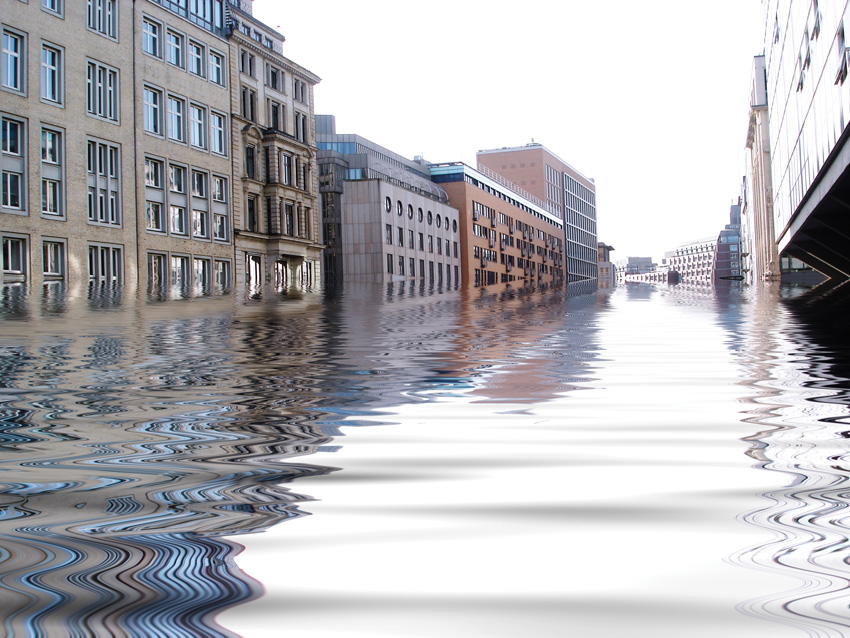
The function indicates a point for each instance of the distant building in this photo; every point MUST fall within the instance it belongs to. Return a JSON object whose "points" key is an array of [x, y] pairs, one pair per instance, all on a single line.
{"points": [[383, 218], [727, 255], [607, 277], [505, 236], [694, 261], [634, 266], [759, 242], [564, 192]]}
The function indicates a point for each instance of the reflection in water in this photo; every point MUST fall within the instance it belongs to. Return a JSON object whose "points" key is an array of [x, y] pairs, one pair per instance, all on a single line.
{"points": [[798, 357], [142, 444]]}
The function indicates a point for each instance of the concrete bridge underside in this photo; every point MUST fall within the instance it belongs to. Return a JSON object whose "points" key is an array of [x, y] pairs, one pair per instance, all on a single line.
{"points": [[819, 233]]}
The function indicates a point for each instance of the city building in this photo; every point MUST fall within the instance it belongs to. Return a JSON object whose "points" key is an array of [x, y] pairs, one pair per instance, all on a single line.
{"points": [[607, 272], [808, 108], [762, 257], [122, 162], [504, 235], [384, 219], [727, 251], [278, 229], [694, 261], [182, 156], [67, 164], [634, 266], [561, 190]]}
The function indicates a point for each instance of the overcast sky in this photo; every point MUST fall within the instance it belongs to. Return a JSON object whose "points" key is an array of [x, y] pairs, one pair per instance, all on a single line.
{"points": [[647, 98]]}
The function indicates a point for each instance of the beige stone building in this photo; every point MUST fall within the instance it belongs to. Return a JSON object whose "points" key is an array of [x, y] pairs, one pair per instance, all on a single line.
{"points": [[183, 155], [273, 145], [67, 214]]}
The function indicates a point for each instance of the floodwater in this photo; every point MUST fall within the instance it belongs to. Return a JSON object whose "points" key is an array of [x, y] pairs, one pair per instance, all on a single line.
{"points": [[398, 462]]}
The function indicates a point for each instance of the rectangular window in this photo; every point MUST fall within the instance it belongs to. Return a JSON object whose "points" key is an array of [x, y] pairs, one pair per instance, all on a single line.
{"points": [[104, 184], [250, 169], [153, 173], [53, 6], [12, 191], [178, 220], [102, 17], [199, 184], [412, 271], [13, 74], [51, 195], [216, 68], [251, 214], [410, 239], [400, 235], [300, 126], [151, 37], [221, 273], [51, 74], [102, 91], [53, 259], [176, 119], [219, 189], [289, 218], [153, 217], [286, 167], [400, 265], [430, 243], [220, 227], [14, 258], [152, 108], [217, 133], [201, 224], [197, 126], [389, 230], [156, 270], [390, 264], [105, 264], [179, 273], [177, 179], [196, 59], [12, 137], [174, 48]]}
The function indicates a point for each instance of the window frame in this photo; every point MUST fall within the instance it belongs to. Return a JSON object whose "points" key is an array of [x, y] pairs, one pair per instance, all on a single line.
{"points": [[175, 119], [175, 48], [20, 61], [151, 37], [198, 126], [103, 13], [152, 110], [103, 97], [52, 75]]}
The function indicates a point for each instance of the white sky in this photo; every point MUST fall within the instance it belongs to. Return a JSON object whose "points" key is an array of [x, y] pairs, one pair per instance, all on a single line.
{"points": [[648, 98]]}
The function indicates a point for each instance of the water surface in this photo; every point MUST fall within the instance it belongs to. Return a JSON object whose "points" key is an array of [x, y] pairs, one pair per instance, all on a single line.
{"points": [[395, 461]]}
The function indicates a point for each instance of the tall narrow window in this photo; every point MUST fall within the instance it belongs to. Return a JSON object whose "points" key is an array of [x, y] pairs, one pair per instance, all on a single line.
{"points": [[12, 162], [196, 59], [152, 110], [102, 17], [216, 68], [217, 133], [102, 91], [197, 126], [13, 62], [176, 119], [174, 48], [51, 74], [151, 37]]}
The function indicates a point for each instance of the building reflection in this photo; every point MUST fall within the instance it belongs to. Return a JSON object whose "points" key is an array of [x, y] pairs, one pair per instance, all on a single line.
{"points": [[795, 353]]}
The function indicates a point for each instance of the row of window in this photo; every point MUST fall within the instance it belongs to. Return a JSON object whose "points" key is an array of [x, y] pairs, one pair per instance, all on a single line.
{"points": [[105, 265], [186, 210], [392, 260], [388, 205], [420, 244], [172, 116], [181, 51]]}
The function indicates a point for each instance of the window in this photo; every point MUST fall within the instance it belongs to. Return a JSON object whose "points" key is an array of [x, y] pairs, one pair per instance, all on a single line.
{"points": [[250, 169], [389, 229], [410, 239], [219, 188], [300, 127], [12, 161], [220, 228], [197, 126], [286, 168], [390, 264], [289, 218], [13, 74], [178, 220], [273, 78], [103, 180], [152, 107], [421, 241], [105, 264], [216, 68], [150, 37], [156, 270], [202, 275], [102, 91], [14, 258], [53, 6], [51, 74], [249, 104], [246, 63], [201, 224], [179, 272], [299, 90], [176, 179], [401, 265], [51, 196], [217, 133], [102, 17], [174, 48], [199, 184], [412, 271], [430, 243], [196, 58], [221, 273], [153, 173], [153, 217], [388, 205], [53, 259], [251, 214], [176, 119]]}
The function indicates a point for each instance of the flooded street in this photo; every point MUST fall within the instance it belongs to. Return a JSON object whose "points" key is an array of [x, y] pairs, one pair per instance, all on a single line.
{"points": [[389, 461]]}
